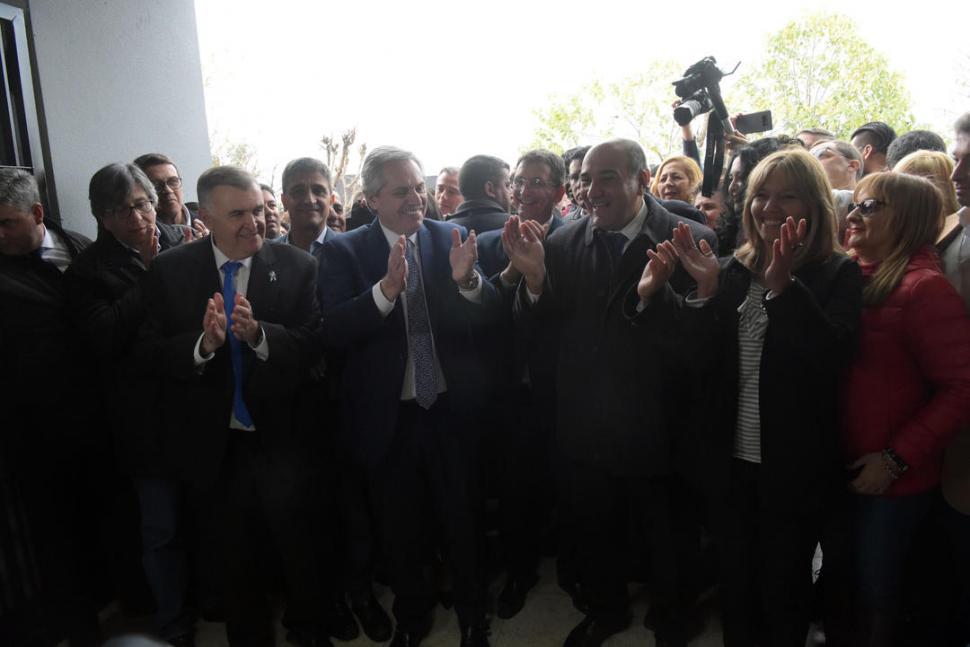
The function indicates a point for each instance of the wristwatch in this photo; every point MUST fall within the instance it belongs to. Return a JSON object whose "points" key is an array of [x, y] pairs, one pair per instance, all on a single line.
{"points": [[471, 283]]}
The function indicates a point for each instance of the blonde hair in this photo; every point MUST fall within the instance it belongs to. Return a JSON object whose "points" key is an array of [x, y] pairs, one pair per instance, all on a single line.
{"points": [[807, 179], [914, 208], [691, 170], [936, 167]]}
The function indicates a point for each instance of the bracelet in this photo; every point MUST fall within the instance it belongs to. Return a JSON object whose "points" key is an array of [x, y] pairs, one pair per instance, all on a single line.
{"points": [[896, 466]]}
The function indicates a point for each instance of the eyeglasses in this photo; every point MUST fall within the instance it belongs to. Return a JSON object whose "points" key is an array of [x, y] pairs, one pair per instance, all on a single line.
{"points": [[866, 207], [144, 207], [174, 183], [536, 183]]}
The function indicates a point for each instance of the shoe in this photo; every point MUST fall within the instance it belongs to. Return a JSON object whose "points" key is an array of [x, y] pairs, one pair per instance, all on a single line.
{"points": [[512, 598], [407, 638], [308, 638], [373, 619], [590, 633], [185, 640], [475, 635], [341, 623]]}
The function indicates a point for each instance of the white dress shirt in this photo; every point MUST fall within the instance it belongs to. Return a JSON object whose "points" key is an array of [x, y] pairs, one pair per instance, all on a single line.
{"points": [[386, 306], [241, 285]]}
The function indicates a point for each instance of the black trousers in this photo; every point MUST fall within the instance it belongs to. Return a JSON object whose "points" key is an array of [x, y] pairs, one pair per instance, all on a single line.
{"points": [[261, 499], [526, 484], [431, 473], [766, 565], [600, 505]]}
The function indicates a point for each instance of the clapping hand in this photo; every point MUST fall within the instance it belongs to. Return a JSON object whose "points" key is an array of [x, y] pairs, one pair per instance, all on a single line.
{"points": [[778, 274], [700, 262], [148, 248], [658, 270], [463, 256], [522, 241], [213, 325], [395, 280], [244, 326]]}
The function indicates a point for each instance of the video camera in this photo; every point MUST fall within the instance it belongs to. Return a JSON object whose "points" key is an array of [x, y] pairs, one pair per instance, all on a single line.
{"points": [[700, 91]]}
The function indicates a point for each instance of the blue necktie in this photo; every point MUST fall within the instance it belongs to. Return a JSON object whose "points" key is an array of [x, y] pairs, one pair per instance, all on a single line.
{"points": [[419, 334], [235, 347]]}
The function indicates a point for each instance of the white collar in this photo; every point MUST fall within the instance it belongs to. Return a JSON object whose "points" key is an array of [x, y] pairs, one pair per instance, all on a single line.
{"points": [[222, 259]]}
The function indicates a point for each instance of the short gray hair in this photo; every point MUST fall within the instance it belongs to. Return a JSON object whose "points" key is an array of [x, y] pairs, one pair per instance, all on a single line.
{"points": [[223, 176], [111, 185], [845, 149], [302, 165], [18, 189], [372, 171]]}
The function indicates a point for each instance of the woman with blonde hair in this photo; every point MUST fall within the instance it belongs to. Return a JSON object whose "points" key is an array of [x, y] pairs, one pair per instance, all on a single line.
{"points": [[772, 326], [907, 391], [936, 167], [677, 178]]}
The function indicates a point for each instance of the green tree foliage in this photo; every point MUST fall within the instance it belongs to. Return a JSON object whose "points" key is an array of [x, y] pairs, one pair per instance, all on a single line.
{"points": [[819, 72], [637, 107], [815, 72]]}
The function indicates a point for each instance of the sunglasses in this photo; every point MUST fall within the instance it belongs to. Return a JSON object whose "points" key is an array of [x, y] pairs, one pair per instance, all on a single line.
{"points": [[866, 207]]}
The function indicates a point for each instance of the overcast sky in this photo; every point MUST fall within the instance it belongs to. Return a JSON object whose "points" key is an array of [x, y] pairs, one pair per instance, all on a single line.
{"points": [[452, 79]]}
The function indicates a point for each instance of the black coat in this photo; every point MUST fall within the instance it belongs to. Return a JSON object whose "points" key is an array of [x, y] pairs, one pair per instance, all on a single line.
{"points": [[104, 293], [479, 215], [810, 337], [612, 378], [42, 362], [194, 423]]}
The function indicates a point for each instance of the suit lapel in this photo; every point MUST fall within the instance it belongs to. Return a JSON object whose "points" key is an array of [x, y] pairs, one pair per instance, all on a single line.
{"points": [[631, 263], [205, 267], [427, 254], [262, 289], [375, 260]]}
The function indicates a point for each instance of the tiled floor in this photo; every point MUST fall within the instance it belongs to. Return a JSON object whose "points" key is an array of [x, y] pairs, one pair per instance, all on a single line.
{"points": [[546, 620]]}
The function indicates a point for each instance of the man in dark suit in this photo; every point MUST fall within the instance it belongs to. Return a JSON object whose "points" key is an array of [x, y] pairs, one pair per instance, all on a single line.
{"points": [[309, 199], [485, 185], [524, 427], [49, 441], [612, 387], [106, 308], [232, 330], [403, 294]]}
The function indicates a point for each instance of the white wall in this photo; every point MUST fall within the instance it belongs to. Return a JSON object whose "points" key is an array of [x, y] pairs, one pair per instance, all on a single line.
{"points": [[118, 78]]}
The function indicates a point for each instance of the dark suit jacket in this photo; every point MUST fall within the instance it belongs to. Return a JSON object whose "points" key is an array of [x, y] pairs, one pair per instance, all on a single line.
{"points": [[684, 210], [104, 293], [282, 291], [376, 347], [479, 215], [611, 378], [810, 338], [40, 359]]}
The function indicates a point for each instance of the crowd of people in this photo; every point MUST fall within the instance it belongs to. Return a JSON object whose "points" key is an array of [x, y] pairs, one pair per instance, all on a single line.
{"points": [[217, 407]]}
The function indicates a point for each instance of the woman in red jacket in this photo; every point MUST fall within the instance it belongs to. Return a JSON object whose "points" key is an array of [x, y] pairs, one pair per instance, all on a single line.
{"points": [[907, 390]]}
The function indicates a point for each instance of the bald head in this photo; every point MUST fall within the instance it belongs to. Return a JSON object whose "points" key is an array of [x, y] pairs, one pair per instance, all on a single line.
{"points": [[613, 178]]}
